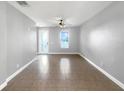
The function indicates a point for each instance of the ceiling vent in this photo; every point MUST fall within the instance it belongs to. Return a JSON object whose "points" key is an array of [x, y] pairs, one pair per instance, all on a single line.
{"points": [[23, 3]]}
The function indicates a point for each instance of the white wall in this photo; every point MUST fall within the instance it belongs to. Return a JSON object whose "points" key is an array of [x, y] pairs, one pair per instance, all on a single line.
{"points": [[54, 40], [17, 40], [102, 40], [3, 45]]}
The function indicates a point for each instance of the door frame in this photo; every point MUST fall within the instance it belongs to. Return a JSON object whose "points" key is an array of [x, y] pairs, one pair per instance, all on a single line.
{"points": [[38, 37]]}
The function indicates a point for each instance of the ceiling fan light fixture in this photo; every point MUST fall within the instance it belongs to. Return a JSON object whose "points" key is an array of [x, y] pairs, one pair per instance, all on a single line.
{"points": [[61, 24]]}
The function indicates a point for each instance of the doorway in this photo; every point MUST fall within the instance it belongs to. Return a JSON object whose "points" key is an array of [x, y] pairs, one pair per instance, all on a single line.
{"points": [[43, 42]]}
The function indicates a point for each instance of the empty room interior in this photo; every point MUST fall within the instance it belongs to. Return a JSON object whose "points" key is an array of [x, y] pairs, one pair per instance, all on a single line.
{"points": [[61, 45]]}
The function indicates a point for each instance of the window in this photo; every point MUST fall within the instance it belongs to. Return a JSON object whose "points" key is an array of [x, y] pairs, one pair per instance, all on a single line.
{"points": [[64, 39]]}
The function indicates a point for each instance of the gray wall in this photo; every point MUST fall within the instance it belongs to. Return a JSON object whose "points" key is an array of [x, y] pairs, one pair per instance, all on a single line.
{"points": [[17, 39], [102, 40], [54, 40], [2, 42], [21, 39]]}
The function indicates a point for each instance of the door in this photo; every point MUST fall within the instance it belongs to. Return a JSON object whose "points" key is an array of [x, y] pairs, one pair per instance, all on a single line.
{"points": [[43, 41]]}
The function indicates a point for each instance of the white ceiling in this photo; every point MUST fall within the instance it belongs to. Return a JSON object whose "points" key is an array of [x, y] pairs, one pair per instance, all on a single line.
{"points": [[75, 13]]}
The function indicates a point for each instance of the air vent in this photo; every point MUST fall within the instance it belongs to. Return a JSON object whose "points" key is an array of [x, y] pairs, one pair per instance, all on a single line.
{"points": [[23, 3]]}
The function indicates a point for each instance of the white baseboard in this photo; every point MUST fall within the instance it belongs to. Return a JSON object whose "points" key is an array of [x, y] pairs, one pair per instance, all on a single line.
{"points": [[19, 70], [3, 85], [16, 73], [104, 72], [59, 53]]}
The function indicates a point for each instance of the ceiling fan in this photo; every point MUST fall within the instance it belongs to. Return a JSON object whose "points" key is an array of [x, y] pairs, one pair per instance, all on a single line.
{"points": [[61, 23]]}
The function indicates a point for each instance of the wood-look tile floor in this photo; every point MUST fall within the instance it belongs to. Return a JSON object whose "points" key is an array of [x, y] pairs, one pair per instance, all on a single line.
{"points": [[60, 72]]}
